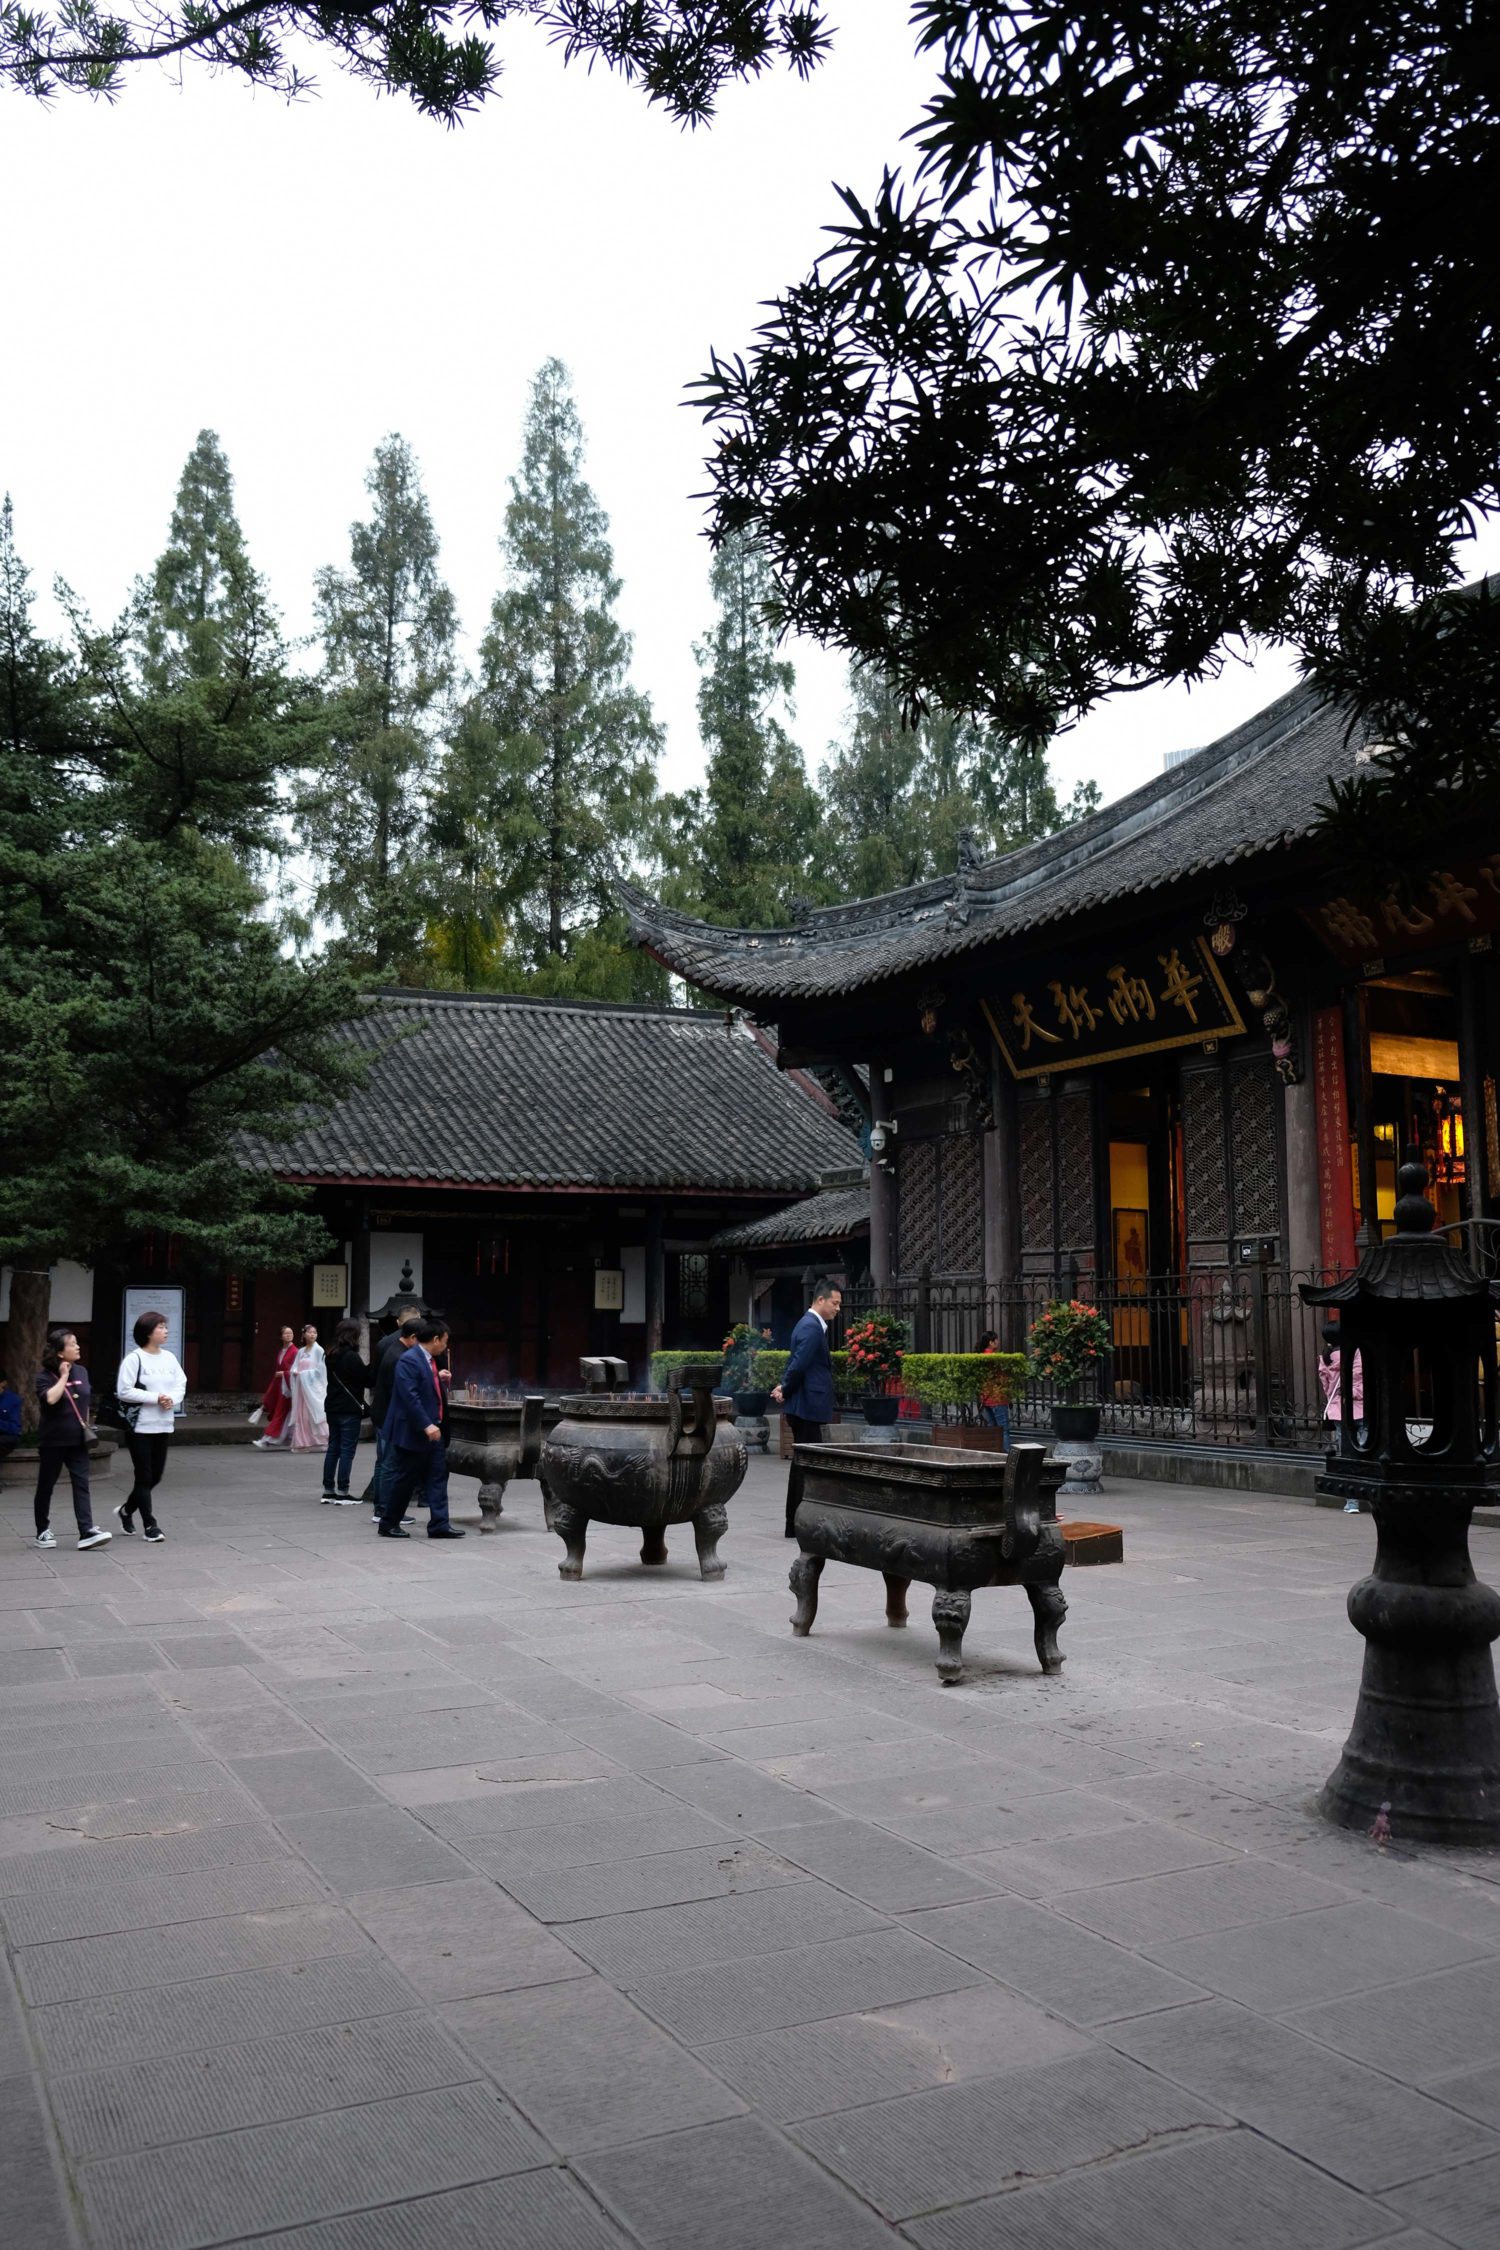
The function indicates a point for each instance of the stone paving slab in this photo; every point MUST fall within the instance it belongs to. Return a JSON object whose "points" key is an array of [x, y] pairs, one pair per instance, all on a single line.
{"points": [[1348, 2120], [264, 2082], [528, 2211], [96, 1910], [213, 2190], [128, 1960], [738, 2186], [814, 2069], [622, 1886], [374, 1899], [956, 2143], [130, 2027], [1246, 2191], [587, 2066]]}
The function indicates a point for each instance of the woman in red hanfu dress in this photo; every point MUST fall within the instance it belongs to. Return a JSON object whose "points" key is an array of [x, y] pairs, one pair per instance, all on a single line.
{"points": [[276, 1404]]}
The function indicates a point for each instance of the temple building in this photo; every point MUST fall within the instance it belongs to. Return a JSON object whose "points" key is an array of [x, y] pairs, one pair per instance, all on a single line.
{"points": [[549, 1174], [1166, 1058]]}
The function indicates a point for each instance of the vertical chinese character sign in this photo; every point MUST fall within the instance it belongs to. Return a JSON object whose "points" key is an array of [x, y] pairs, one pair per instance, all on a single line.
{"points": [[1335, 1179]]}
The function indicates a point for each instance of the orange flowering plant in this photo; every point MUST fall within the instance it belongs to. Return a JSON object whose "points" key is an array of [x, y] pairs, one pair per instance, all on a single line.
{"points": [[874, 1348], [1068, 1344]]}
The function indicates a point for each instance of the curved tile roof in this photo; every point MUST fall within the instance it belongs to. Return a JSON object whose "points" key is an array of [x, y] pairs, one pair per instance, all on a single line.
{"points": [[831, 1216], [480, 1090], [1253, 791]]}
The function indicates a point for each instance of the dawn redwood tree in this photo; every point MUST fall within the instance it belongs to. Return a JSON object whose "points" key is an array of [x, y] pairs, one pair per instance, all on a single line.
{"points": [[749, 840], [193, 712], [577, 746], [388, 625], [156, 1026], [1183, 329]]}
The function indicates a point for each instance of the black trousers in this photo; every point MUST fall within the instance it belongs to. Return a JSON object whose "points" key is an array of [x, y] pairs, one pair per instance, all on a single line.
{"points": [[803, 1433], [51, 1460], [148, 1457]]}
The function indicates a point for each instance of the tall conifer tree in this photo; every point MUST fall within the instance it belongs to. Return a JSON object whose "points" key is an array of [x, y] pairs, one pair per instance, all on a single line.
{"points": [[749, 840], [577, 745], [388, 624], [150, 1010], [194, 711]]}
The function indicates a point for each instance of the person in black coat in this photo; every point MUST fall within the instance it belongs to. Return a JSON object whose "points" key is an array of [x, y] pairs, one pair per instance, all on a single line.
{"points": [[348, 1381], [416, 1429], [382, 1374], [805, 1392], [62, 1439]]}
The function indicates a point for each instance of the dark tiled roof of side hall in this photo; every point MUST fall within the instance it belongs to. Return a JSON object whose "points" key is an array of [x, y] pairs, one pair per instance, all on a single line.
{"points": [[1253, 791], [832, 1215], [490, 1091]]}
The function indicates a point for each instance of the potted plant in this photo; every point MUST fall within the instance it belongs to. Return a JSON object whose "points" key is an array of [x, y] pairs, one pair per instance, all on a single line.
{"points": [[874, 1348], [1068, 1347], [741, 1348], [965, 1384]]}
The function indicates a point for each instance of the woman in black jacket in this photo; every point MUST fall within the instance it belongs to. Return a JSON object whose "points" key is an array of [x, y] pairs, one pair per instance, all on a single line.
{"points": [[348, 1381], [63, 1438]]}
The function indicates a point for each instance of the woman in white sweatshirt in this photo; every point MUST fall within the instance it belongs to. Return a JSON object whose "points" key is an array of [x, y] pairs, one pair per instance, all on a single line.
{"points": [[152, 1380]]}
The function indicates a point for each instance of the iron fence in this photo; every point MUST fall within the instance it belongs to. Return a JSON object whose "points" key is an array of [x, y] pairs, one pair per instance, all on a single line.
{"points": [[1229, 1355]]}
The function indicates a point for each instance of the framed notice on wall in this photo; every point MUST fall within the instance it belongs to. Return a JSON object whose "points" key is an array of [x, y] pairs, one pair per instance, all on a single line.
{"points": [[609, 1289], [170, 1303], [330, 1286]]}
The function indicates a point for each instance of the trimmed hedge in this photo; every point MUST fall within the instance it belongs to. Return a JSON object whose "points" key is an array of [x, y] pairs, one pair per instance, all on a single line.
{"points": [[665, 1366], [966, 1380], [769, 1368]]}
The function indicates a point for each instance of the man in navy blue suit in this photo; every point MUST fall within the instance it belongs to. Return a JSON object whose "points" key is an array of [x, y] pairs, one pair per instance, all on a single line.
{"points": [[805, 1392], [416, 1439]]}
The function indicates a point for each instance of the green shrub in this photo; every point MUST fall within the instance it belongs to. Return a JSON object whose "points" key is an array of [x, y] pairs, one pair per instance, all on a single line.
{"points": [[668, 1366], [964, 1380], [769, 1367]]}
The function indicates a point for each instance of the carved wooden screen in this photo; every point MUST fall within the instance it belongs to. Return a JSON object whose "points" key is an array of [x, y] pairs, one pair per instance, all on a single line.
{"points": [[940, 1223], [1075, 1172], [917, 1206], [1055, 1153], [961, 1205], [1035, 1137], [1204, 1170], [1254, 1150]]}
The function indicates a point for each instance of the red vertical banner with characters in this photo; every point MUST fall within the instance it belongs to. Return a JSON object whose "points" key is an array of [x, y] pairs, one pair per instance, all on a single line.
{"points": [[1335, 1176]]}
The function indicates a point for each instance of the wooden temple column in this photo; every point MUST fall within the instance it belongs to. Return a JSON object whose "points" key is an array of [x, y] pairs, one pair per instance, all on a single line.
{"points": [[883, 1199]]}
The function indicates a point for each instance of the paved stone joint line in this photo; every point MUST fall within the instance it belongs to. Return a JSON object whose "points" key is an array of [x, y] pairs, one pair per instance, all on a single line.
{"points": [[369, 1899]]}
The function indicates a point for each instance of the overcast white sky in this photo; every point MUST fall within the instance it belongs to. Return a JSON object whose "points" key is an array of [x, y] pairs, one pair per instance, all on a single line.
{"points": [[305, 279]]}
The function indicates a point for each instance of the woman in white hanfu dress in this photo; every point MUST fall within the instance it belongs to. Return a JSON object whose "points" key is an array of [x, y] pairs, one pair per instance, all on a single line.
{"points": [[309, 1395]]}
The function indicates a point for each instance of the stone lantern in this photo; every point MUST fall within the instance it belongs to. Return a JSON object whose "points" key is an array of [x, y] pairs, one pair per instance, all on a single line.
{"points": [[1419, 1451]]}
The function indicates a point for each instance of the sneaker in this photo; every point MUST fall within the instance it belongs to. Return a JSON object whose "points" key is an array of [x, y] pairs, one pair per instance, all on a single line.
{"points": [[347, 1500], [1351, 1507], [122, 1510], [96, 1538], [45, 1539], [328, 1498], [155, 1533]]}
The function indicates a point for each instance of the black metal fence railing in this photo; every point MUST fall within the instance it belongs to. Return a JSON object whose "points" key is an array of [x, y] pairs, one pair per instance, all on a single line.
{"points": [[1224, 1356]]}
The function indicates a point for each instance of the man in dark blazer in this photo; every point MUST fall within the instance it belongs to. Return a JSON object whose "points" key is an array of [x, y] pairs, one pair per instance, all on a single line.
{"points": [[383, 1358], [805, 1392], [416, 1438]]}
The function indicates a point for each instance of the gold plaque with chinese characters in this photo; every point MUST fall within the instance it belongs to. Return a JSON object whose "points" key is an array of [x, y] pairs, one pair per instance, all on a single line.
{"points": [[1115, 1000]]}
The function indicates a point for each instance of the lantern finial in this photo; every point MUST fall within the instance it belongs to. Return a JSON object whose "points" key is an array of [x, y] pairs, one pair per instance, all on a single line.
{"points": [[1414, 1214]]}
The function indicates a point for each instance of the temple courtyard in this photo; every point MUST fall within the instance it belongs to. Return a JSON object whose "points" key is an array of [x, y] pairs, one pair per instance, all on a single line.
{"points": [[361, 1895]]}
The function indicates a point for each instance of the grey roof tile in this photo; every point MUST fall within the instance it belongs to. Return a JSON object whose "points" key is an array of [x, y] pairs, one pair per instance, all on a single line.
{"points": [[494, 1091], [1254, 791], [831, 1216]]}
